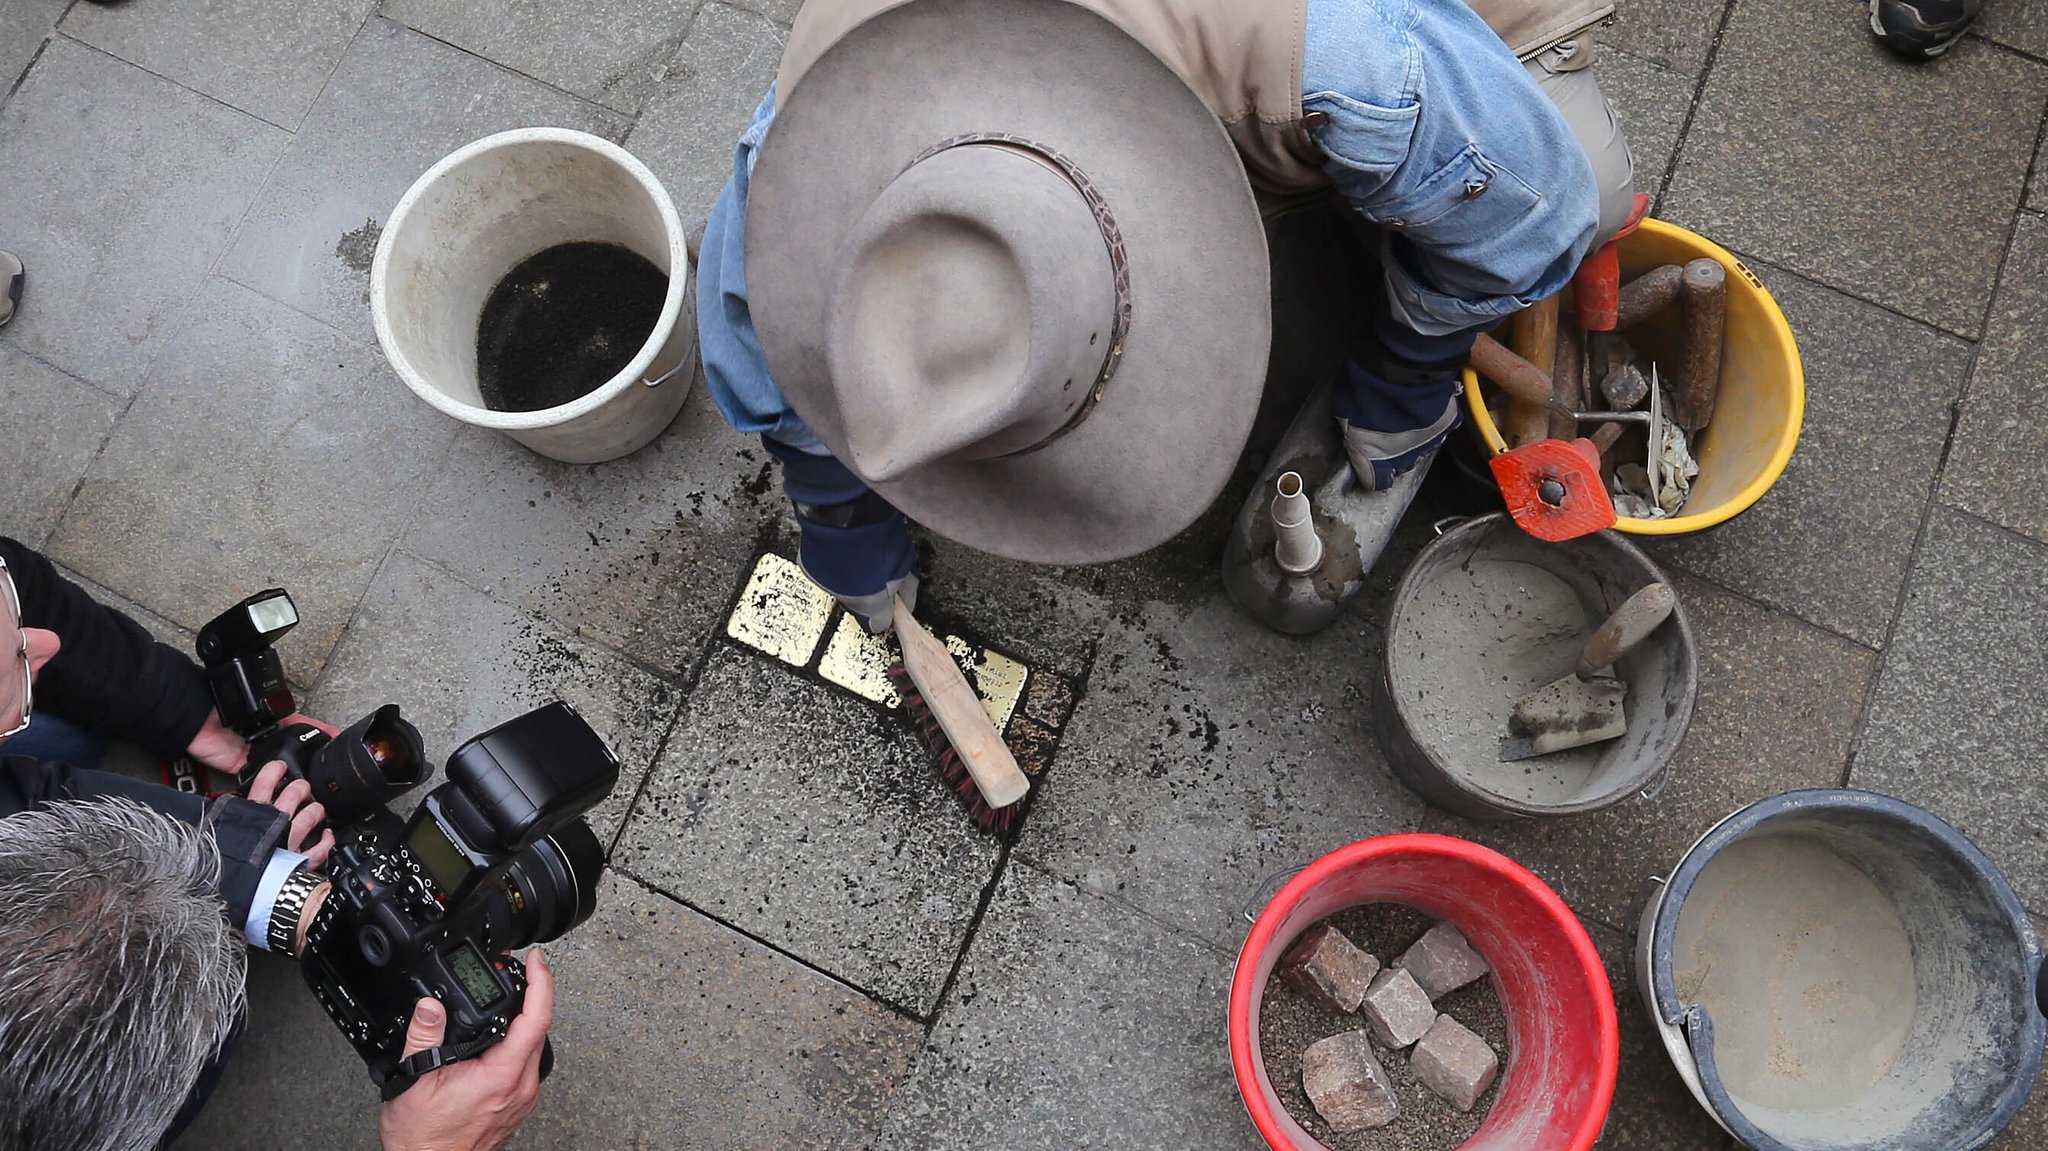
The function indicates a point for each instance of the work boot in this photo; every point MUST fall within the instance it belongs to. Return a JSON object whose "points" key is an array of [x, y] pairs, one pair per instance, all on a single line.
{"points": [[12, 276], [1921, 29]]}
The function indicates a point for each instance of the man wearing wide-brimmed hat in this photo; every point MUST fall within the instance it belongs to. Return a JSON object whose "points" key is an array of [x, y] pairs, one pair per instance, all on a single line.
{"points": [[999, 265]]}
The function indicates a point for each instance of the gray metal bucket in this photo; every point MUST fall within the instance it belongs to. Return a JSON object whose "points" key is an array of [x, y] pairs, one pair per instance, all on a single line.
{"points": [[1488, 613], [1835, 970]]}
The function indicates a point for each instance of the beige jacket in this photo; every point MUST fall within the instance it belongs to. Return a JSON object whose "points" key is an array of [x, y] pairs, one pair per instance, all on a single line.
{"points": [[1242, 57]]}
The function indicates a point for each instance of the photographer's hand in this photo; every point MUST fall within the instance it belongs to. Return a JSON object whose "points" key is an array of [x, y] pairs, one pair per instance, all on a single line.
{"points": [[293, 801], [474, 1105], [217, 747]]}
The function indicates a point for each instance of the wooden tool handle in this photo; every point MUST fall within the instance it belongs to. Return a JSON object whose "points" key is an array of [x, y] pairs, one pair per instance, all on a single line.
{"points": [[959, 712], [1631, 623], [1534, 338], [1519, 378], [1648, 294], [1704, 290]]}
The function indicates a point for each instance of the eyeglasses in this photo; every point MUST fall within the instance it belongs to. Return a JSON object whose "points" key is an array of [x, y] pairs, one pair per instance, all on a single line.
{"points": [[13, 713]]}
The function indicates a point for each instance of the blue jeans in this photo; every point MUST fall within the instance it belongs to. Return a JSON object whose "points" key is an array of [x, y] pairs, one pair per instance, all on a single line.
{"points": [[48, 739], [1483, 198]]}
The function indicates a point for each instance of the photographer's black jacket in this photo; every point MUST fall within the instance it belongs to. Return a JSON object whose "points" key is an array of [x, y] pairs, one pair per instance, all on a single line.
{"points": [[110, 675]]}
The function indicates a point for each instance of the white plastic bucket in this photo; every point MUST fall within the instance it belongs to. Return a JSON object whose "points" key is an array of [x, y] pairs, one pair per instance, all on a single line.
{"points": [[477, 214]]}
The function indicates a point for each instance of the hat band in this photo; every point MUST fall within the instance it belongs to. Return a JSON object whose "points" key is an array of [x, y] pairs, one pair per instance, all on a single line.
{"points": [[1112, 239]]}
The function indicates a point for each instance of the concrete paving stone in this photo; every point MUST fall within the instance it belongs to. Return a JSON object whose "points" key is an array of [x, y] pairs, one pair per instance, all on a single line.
{"points": [[1996, 469], [51, 426], [783, 12], [269, 60], [398, 102], [24, 25], [643, 554], [1831, 541], [1955, 724], [1651, 103], [1777, 710], [686, 133], [1039, 614], [1075, 1023], [612, 52], [1653, 1110], [262, 452], [1817, 150], [658, 1013], [2021, 24], [813, 821], [1674, 34], [1208, 753], [121, 190], [459, 663]]}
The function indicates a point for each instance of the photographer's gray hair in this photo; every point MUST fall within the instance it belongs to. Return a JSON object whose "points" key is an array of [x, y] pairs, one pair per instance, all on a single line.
{"points": [[120, 976]]}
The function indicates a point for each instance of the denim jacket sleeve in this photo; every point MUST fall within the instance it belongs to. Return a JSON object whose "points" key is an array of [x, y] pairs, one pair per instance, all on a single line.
{"points": [[1432, 130], [734, 367]]}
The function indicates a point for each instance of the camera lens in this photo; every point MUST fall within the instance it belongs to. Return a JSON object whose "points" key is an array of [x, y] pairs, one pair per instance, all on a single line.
{"points": [[377, 760], [549, 888]]}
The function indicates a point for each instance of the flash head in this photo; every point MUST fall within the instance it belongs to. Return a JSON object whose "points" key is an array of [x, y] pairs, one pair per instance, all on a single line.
{"points": [[527, 776], [248, 627]]}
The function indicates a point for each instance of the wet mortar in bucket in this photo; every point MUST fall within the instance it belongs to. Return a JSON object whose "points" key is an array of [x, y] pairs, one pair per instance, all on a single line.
{"points": [[1498, 629], [1289, 1023], [564, 322]]}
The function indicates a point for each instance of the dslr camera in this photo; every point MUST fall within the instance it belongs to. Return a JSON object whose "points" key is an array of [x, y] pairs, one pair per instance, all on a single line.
{"points": [[494, 859]]}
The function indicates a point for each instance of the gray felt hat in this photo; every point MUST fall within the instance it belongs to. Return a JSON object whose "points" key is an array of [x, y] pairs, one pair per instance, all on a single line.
{"points": [[1007, 266]]}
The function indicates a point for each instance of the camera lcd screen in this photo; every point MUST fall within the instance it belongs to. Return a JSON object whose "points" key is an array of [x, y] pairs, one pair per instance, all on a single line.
{"points": [[443, 861], [474, 975], [271, 614]]}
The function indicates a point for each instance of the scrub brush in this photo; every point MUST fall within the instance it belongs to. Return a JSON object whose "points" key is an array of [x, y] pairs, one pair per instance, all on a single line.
{"points": [[947, 715]]}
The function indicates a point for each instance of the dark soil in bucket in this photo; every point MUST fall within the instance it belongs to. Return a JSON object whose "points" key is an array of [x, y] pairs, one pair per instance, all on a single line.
{"points": [[1288, 1024], [563, 322]]}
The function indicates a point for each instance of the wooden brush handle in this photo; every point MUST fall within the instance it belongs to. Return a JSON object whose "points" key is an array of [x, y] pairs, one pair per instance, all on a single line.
{"points": [[959, 712], [1631, 623]]}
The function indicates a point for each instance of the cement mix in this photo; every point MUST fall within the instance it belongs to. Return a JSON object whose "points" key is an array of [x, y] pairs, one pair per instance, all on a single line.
{"points": [[1806, 968], [1486, 633]]}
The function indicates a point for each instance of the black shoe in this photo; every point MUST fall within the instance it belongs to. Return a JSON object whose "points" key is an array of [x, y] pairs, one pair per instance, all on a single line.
{"points": [[1921, 29], [12, 277]]}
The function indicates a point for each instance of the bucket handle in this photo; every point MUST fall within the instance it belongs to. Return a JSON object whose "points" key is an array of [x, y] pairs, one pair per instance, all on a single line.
{"points": [[1266, 890], [664, 377]]}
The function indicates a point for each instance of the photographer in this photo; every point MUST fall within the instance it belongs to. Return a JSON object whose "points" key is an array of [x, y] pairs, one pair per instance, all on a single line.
{"points": [[121, 977]]}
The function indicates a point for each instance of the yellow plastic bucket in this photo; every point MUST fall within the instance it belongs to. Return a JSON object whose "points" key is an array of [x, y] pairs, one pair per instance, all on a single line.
{"points": [[1763, 385]]}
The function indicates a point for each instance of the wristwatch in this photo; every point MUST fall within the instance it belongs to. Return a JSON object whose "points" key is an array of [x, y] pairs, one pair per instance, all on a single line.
{"points": [[289, 905]]}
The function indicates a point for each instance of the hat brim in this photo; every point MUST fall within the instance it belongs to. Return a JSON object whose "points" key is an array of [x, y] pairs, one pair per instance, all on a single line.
{"points": [[1158, 448]]}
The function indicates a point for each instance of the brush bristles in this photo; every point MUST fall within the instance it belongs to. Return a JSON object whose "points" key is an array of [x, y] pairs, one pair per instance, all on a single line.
{"points": [[952, 769]]}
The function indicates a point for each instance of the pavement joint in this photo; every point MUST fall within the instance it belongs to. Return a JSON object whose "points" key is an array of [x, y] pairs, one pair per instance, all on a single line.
{"points": [[1692, 106]]}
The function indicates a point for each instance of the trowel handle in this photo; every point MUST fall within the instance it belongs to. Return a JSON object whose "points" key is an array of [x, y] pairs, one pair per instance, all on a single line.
{"points": [[1631, 623]]}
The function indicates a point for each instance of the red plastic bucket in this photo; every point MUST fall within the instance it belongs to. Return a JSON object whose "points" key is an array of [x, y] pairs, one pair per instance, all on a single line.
{"points": [[1563, 1044]]}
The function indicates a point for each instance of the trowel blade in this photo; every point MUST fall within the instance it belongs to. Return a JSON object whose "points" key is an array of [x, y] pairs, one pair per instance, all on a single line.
{"points": [[1568, 713]]}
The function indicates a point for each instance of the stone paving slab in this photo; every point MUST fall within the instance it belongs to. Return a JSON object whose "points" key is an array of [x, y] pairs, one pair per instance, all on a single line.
{"points": [[51, 426], [1208, 753], [1651, 102], [816, 823], [24, 25], [1674, 34], [1956, 723], [1831, 541], [610, 52], [670, 1033], [1652, 1110], [1075, 1023], [1777, 710], [643, 554], [2020, 24], [1996, 469], [686, 133], [398, 102], [121, 190], [458, 664], [262, 452], [1816, 150], [267, 59]]}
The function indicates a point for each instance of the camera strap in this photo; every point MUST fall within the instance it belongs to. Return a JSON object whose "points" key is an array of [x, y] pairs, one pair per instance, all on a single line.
{"points": [[407, 1071]]}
